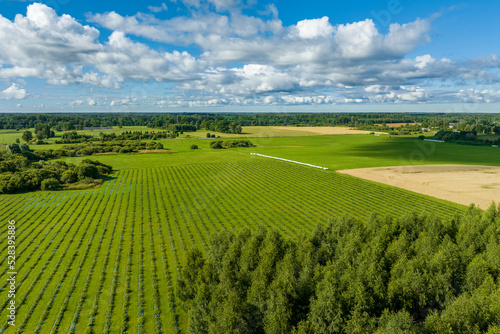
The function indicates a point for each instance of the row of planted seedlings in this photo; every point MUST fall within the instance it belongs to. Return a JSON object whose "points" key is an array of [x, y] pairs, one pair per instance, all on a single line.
{"points": [[233, 205], [172, 214], [90, 316], [107, 214], [25, 217], [17, 204], [27, 233], [320, 201], [393, 200], [146, 215], [76, 263], [336, 196], [237, 189], [28, 260], [209, 204], [49, 268], [200, 202], [203, 202], [278, 199], [111, 314], [308, 191], [151, 206], [154, 302], [264, 201], [168, 258], [179, 209], [191, 214], [13, 203], [334, 199], [44, 249], [367, 197], [226, 193], [135, 216], [70, 291], [28, 228]]}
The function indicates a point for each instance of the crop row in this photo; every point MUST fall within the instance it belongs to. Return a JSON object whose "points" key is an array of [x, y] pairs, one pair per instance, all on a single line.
{"points": [[107, 260]]}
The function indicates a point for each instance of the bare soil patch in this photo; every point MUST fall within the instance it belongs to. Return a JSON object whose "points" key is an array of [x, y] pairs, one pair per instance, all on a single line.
{"points": [[462, 184]]}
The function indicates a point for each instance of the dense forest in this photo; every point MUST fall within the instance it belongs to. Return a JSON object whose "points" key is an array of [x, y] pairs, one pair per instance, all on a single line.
{"points": [[233, 122], [415, 274]]}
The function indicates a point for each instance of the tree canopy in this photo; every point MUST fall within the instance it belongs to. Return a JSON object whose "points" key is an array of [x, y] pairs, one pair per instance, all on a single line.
{"points": [[415, 274]]}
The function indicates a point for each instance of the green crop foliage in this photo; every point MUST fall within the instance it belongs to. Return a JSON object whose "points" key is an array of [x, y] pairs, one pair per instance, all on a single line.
{"points": [[108, 259]]}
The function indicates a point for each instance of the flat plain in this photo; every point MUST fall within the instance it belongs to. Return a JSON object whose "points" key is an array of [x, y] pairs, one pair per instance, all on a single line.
{"points": [[101, 260], [461, 184]]}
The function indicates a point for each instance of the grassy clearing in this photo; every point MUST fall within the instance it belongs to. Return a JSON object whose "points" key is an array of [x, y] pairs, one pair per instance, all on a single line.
{"points": [[335, 152]]}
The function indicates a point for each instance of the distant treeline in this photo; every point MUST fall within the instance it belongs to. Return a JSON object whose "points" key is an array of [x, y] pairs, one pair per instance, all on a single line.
{"points": [[73, 137], [415, 274], [233, 122]]}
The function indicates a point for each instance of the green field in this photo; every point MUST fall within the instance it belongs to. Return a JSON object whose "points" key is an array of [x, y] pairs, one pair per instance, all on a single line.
{"points": [[335, 152], [107, 260]]}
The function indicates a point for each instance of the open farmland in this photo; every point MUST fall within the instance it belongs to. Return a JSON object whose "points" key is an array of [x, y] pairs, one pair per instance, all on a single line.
{"points": [[461, 184], [108, 259]]}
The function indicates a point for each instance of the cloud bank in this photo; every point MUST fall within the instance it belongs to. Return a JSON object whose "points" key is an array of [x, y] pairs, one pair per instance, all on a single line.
{"points": [[223, 57]]}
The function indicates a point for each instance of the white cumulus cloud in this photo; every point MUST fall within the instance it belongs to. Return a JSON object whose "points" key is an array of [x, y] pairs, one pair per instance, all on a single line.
{"points": [[14, 92]]}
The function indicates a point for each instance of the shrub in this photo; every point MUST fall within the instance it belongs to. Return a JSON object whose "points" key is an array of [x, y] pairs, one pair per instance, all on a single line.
{"points": [[216, 145], [194, 147], [69, 176], [87, 180], [50, 184], [159, 146], [87, 170], [13, 149], [124, 150]]}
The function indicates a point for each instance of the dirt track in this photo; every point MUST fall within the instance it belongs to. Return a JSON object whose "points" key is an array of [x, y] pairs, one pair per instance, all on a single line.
{"points": [[461, 184]]}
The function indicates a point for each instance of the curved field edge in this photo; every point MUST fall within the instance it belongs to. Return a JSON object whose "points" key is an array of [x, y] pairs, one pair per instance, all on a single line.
{"points": [[461, 184], [108, 259]]}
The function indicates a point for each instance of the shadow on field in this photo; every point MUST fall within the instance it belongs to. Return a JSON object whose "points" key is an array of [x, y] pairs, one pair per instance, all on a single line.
{"points": [[415, 151]]}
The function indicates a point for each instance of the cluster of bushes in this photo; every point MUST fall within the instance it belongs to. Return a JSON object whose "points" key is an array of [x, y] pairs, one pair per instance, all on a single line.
{"points": [[138, 135], [464, 138], [18, 174], [73, 137], [415, 274], [220, 144], [99, 147]]}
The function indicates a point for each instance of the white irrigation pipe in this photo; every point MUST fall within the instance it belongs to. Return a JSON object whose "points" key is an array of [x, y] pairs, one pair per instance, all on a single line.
{"points": [[295, 162]]}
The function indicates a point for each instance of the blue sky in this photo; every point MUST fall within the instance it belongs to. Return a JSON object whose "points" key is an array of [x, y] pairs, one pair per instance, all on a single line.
{"points": [[246, 55]]}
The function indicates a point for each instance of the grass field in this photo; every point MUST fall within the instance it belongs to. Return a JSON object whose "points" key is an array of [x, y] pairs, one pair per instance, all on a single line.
{"points": [[10, 136], [108, 259], [335, 152]]}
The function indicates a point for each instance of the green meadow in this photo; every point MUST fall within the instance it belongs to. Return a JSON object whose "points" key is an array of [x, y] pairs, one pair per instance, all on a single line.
{"points": [[107, 260], [333, 151]]}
